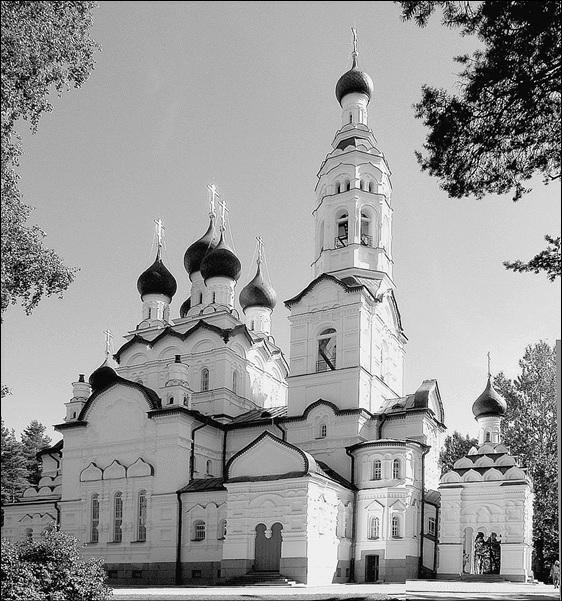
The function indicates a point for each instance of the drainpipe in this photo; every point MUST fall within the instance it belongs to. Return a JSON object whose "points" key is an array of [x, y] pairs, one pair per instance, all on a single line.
{"points": [[178, 542], [192, 457], [57, 509], [422, 526], [381, 421], [224, 435], [353, 525], [283, 431], [435, 541]]}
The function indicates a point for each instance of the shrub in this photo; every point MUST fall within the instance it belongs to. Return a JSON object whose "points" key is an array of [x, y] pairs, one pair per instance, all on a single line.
{"points": [[51, 569]]}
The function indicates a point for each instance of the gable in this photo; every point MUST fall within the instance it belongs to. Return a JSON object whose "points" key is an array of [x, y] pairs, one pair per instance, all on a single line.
{"points": [[266, 457]]}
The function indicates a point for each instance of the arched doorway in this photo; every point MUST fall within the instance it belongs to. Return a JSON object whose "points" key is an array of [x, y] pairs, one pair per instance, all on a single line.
{"points": [[487, 554], [268, 549]]}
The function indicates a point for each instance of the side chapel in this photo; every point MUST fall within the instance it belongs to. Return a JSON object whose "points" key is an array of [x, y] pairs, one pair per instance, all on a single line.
{"points": [[196, 453]]}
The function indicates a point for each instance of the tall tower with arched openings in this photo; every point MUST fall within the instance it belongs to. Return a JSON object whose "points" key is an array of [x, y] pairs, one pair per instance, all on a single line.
{"points": [[347, 340]]}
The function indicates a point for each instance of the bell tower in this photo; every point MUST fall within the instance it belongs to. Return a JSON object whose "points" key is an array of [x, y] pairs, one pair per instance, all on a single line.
{"points": [[353, 213]]}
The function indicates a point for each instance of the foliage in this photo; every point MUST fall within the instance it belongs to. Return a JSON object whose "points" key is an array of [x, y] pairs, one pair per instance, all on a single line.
{"points": [[455, 447], [548, 260], [33, 439], [45, 47], [13, 477], [504, 126], [53, 569], [529, 429]]}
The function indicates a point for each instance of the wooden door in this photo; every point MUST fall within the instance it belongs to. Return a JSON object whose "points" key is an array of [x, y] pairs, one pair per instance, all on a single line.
{"points": [[372, 568], [268, 550]]}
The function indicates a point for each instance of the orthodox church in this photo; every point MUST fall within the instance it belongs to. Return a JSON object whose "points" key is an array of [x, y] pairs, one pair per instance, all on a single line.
{"points": [[196, 453]]}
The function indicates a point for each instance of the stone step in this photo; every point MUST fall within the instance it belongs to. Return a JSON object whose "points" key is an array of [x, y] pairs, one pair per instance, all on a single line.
{"points": [[261, 579]]}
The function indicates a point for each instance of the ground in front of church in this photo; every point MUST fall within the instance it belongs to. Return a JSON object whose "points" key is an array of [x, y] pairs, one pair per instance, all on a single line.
{"points": [[412, 590]]}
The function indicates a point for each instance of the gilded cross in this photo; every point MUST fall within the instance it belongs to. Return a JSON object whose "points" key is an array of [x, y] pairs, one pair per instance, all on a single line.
{"points": [[108, 342], [354, 32], [159, 230], [260, 249], [489, 365], [212, 197], [224, 210]]}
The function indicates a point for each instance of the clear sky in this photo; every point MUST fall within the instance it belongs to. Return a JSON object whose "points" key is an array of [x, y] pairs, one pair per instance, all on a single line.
{"points": [[242, 93]]}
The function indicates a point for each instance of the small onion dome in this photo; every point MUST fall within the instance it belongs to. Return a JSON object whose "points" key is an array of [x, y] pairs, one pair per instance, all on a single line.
{"points": [[258, 293], [356, 81], [157, 280], [489, 402], [220, 262], [185, 307], [197, 251], [102, 377]]}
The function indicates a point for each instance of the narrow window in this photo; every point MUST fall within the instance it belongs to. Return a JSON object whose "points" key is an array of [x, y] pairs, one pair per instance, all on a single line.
{"points": [[141, 516], [366, 238], [396, 469], [431, 526], [395, 526], [377, 470], [214, 296], [199, 530], [342, 226], [204, 379], [200, 297], [487, 437], [347, 185], [117, 517], [374, 528], [209, 467], [371, 186], [222, 530], [149, 313], [171, 400], [350, 118], [94, 519], [323, 431], [73, 414], [326, 357], [234, 382]]}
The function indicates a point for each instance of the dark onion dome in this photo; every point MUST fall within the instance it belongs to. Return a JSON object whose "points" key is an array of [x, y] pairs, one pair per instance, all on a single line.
{"points": [[196, 252], [157, 280], [102, 377], [354, 80], [185, 307], [258, 293], [489, 402], [220, 262]]}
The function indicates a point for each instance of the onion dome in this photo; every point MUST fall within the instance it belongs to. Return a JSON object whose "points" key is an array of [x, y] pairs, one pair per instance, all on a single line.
{"points": [[102, 377], [185, 307], [489, 402], [197, 251], [157, 280], [258, 293], [356, 81], [220, 262]]}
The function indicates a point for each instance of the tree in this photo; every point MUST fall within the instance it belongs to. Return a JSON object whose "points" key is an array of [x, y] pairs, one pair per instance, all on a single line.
{"points": [[455, 446], [45, 47], [49, 568], [33, 439], [529, 429], [504, 127], [13, 476]]}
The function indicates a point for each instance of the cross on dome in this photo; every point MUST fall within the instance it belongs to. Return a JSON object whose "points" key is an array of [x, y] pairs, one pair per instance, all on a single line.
{"points": [[260, 249], [223, 213], [489, 365], [159, 232], [108, 342], [212, 198], [354, 32]]}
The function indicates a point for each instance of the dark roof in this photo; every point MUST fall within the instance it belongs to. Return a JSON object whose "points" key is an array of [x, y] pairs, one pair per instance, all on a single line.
{"points": [[258, 415], [56, 448], [489, 402], [103, 376], [349, 284], [185, 307], [220, 262], [196, 252], [201, 484], [157, 280], [354, 80], [352, 141], [333, 475], [258, 293]]}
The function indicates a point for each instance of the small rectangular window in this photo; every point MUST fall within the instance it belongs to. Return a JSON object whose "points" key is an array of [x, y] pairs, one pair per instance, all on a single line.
{"points": [[137, 574], [196, 573]]}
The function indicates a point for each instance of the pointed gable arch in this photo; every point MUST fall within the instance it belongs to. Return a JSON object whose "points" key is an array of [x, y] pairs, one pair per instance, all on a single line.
{"points": [[114, 471], [140, 468], [91, 473], [269, 457]]}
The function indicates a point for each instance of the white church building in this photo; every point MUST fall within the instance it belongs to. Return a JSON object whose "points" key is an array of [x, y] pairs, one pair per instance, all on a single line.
{"points": [[196, 453]]}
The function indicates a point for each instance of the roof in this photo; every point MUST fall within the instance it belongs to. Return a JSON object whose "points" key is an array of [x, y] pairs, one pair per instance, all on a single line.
{"points": [[328, 472], [203, 484], [258, 415]]}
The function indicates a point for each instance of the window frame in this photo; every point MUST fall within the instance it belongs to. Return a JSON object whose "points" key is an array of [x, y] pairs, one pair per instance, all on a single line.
{"points": [[118, 517]]}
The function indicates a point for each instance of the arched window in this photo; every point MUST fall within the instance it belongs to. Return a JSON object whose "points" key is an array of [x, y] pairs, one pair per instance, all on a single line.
{"points": [[222, 530], [141, 516], [326, 357], [395, 526], [342, 227], [209, 467], [204, 379], [366, 236], [396, 469], [488, 437], [94, 519], [377, 470], [346, 185], [171, 400], [117, 517], [323, 430], [234, 382], [199, 530], [374, 528], [371, 186]]}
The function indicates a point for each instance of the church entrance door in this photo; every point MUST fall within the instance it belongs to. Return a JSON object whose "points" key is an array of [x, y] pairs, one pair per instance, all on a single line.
{"points": [[372, 568], [268, 549]]}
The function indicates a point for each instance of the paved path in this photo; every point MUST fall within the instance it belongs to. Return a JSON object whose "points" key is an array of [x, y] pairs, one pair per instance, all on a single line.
{"points": [[413, 590]]}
